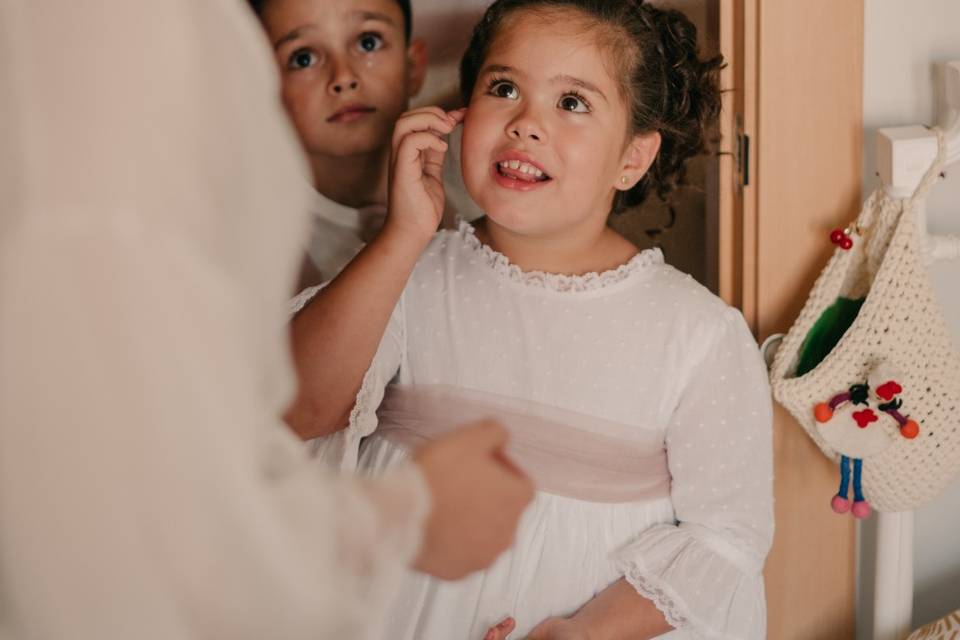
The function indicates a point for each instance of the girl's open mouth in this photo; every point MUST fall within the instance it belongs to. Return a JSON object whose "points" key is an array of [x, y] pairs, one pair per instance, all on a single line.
{"points": [[516, 174]]}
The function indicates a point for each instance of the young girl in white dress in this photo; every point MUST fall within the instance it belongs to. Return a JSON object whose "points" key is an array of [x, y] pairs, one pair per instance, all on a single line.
{"points": [[636, 399]]}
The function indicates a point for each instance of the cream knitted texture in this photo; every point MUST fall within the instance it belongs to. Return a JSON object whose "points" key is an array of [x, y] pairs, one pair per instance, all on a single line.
{"points": [[900, 322], [946, 628]]}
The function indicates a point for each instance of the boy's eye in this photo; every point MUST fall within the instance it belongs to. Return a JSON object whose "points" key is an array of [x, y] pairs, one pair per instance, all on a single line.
{"points": [[369, 42], [505, 90], [302, 59], [574, 103]]}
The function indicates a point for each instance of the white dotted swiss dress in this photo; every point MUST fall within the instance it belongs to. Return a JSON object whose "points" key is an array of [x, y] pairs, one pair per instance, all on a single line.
{"points": [[643, 346]]}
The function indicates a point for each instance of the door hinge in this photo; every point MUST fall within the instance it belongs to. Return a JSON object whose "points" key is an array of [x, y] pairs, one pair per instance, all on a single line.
{"points": [[743, 153]]}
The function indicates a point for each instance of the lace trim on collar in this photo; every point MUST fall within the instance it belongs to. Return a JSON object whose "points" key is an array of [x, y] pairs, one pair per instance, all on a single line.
{"points": [[557, 281]]}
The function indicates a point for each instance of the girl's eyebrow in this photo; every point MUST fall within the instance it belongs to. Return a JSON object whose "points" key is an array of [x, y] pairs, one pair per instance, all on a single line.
{"points": [[499, 68], [559, 79], [577, 82]]}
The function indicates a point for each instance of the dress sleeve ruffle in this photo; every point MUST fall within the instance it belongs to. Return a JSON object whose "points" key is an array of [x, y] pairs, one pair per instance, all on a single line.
{"points": [[705, 572], [342, 448], [299, 301], [698, 581]]}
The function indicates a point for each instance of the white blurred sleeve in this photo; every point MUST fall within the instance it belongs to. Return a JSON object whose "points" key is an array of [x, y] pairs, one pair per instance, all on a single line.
{"points": [[150, 216]]}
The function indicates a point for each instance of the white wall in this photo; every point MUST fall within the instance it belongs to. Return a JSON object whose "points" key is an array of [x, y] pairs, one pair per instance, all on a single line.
{"points": [[904, 42]]}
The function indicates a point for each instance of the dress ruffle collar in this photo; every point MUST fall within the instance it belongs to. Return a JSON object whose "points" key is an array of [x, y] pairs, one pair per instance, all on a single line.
{"points": [[557, 281]]}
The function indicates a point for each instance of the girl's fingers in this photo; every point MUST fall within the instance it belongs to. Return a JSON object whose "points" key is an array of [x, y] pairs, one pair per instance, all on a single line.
{"points": [[502, 630], [423, 121], [458, 114], [433, 164], [455, 116], [428, 109], [411, 147]]}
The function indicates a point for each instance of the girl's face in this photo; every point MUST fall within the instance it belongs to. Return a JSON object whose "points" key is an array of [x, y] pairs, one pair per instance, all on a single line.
{"points": [[545, 141]]}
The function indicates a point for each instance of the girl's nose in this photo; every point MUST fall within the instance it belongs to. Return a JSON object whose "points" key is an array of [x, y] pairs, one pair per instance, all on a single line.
{"points": [[526, 127]]}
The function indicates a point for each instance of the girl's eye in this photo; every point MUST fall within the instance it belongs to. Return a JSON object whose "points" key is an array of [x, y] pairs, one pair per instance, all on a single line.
{"points": [[574, 103], [505, 90], [369, 42], [302, 59]]}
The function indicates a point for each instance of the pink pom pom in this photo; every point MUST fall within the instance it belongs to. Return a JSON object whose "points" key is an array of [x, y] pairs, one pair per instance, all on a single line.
{"points": [[840, 505], [861, 509]]}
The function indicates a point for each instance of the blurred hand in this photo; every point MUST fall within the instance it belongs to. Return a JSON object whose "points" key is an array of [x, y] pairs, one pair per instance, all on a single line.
{"points": [[477, 499], [549, 629], [416, 169]]}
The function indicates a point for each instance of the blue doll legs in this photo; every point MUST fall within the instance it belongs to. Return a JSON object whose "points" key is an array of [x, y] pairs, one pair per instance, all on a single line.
{"points": [[840, 503]]}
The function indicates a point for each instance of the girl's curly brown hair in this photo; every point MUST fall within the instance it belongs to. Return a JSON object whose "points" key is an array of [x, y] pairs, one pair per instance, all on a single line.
{"points": [[667, 86]]}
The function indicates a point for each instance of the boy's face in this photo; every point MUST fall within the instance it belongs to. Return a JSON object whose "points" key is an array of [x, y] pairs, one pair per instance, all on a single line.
{"points": [[346, 69]]}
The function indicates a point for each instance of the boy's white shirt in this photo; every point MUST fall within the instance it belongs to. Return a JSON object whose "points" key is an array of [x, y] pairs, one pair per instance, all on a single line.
{"points": [[151, 216], [339, 232]]}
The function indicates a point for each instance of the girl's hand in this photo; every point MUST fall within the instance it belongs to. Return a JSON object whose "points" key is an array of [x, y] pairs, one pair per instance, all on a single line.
{"points": [[549, 629], [416, 170]]}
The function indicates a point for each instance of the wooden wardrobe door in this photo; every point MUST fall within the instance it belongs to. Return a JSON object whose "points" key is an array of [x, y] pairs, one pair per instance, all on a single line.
{"points": [[809, 141], [796, 73]]}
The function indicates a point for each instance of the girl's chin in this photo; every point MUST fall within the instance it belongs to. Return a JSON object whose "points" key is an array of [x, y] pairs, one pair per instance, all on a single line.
{"points": [[516, 211], [514, 220]]}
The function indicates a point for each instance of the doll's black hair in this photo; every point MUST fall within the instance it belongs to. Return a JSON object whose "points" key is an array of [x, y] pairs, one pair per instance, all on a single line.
{"points": [[666, 85], [259, 5]]}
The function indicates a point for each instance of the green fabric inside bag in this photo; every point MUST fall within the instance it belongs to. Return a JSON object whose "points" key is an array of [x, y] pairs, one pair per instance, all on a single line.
{"points": [[826, 332]]}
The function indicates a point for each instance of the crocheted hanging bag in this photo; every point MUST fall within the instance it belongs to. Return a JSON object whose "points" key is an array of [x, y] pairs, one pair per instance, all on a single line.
{"points": [[869, 368]]}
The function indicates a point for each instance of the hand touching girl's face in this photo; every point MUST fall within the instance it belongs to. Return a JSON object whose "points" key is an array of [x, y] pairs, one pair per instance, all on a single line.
{"points": [[545, 142]]}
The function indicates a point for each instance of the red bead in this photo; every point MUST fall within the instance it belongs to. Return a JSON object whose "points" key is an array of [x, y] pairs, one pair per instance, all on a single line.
{"points": [[910, 430], [846, 243], [837, 236], [822, 412]]}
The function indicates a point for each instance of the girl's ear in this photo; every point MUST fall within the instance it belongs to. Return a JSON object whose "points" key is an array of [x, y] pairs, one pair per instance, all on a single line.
{"points": [[637, 158], [416, 66]]}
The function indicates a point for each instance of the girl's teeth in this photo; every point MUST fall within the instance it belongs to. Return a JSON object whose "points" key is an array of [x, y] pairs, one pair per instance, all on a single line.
{"points": [[522, 167]]}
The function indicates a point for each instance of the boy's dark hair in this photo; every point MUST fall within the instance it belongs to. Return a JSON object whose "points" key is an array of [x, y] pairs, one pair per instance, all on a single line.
{"points": [[666, 85], [259, 5]]}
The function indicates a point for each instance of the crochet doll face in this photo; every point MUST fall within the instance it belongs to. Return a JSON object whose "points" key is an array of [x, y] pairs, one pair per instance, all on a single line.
{"points": [[864, 420]]}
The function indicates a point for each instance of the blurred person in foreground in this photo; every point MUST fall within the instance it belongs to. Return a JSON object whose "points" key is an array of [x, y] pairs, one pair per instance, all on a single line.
{"points": [[150, 211]]}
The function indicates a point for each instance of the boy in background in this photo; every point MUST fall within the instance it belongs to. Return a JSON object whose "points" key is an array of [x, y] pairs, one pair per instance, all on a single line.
{"points": [[349, 69]]}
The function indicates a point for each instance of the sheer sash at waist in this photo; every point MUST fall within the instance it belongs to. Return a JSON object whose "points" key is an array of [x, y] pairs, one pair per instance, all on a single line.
{"points": [[565, 453]]}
